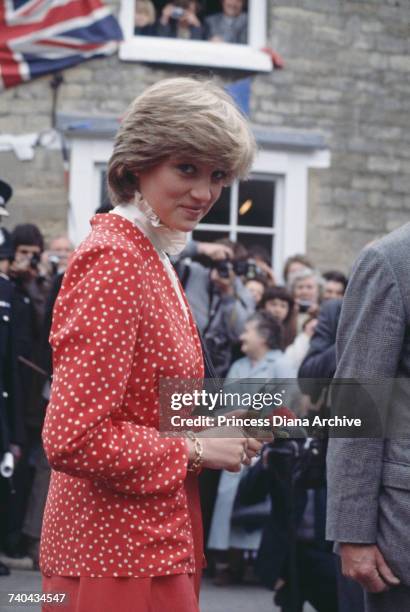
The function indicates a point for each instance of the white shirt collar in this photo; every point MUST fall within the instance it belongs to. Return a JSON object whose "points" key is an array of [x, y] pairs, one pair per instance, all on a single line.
{"points": [[141, 214]]}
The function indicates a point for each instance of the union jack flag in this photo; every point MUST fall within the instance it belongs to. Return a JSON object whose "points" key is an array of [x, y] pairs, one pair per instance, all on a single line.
{"points": [[42, 36]]}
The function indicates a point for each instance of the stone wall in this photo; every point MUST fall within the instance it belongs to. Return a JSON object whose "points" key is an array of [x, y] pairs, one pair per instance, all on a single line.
{"points": [[346, 75]]}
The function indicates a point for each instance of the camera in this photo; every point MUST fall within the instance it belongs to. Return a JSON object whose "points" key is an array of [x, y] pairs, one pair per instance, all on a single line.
{"points": [[304, 305], [34, 261], [247, 269], [224, 268], [177, 13]]}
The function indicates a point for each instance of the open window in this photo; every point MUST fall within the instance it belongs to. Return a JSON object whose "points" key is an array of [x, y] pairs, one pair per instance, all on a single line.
{"points": [[210, 33]]}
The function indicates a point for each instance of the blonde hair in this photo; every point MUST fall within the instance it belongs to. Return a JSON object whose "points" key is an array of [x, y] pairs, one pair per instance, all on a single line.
{"points": [[181, 117], [146, 7]]}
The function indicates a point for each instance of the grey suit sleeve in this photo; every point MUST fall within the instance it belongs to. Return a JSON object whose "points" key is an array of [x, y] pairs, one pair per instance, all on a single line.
{"points": [[368, 346]]}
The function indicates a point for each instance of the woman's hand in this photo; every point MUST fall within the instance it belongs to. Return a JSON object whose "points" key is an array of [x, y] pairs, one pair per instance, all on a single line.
{"points": [[226, 453]]}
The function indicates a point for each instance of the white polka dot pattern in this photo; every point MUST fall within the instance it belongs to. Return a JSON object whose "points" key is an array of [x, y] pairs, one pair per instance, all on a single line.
{"points": [[117, 505]]}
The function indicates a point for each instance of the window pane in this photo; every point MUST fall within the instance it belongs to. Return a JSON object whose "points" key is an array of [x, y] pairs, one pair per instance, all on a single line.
{"points": [[208, 235], [192, 20], [256, 203], [261, 240], [219, 213]]}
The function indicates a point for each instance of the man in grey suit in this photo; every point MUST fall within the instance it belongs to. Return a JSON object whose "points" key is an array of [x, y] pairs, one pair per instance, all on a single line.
{"points": [[369, 478]]}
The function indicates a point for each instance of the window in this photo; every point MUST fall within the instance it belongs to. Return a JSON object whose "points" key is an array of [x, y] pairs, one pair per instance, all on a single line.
{"points": [[144, 44], [244, 213]]}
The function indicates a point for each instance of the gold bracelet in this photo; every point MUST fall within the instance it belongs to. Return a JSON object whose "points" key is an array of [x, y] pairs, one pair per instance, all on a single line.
{"points": [[196, 464]]}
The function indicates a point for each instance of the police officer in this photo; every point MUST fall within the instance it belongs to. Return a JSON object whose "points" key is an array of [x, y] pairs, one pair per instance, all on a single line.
{"points": [[11, 425]]}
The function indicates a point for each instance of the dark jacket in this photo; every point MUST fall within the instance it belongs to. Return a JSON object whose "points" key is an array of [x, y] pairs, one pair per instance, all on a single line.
{"points": [[30, 301], [285, 519], [148, 30], [320, 362], [11, 424], [46, 353]]}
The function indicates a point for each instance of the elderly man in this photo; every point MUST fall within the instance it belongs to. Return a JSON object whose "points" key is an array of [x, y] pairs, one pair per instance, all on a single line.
{"points": [[369, 478]]}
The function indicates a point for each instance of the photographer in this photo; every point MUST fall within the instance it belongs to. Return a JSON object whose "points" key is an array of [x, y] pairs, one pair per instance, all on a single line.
{"points": [[179, 19], [28, 271], [220, 302]]}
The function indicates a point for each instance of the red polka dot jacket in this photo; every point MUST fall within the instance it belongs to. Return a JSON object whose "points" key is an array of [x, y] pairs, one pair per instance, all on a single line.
{"points": [[117, 504]]}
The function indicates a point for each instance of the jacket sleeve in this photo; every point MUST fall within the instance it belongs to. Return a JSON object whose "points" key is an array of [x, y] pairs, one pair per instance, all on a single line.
{"points": [[320, 362], [369, 341], [236, 310], [94, 333]]}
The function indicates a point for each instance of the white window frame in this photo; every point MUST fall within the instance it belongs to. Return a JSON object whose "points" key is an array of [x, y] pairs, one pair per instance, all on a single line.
{"points": [[197, 52], [289, 169], [233, 228]]}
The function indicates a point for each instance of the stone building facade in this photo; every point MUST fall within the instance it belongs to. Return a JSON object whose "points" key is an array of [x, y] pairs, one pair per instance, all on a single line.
{"points": [[344, 89]]}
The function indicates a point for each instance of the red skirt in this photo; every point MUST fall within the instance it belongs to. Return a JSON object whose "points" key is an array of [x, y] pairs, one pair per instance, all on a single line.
{"points": [[159, 594]]}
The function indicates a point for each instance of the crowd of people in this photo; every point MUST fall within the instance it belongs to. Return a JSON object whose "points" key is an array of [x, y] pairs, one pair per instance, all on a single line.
{"points": [[184, 19], [85, 465], [30, 275], [252, 326]]}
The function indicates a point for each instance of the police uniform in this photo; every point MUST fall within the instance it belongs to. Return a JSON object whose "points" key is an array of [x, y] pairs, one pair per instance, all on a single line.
{"points": [[11, 425]]}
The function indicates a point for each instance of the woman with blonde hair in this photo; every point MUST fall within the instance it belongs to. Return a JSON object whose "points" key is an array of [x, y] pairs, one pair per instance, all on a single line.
{"points": [[145, 18], [122, 525]]}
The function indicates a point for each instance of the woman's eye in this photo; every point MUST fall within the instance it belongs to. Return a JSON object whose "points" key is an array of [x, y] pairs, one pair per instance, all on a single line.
{"points": [[187, 168], [219, 175]]}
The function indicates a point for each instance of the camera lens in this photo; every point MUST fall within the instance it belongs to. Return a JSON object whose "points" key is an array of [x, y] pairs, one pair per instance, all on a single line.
{"points": [[223, 268], [34, 261]]}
